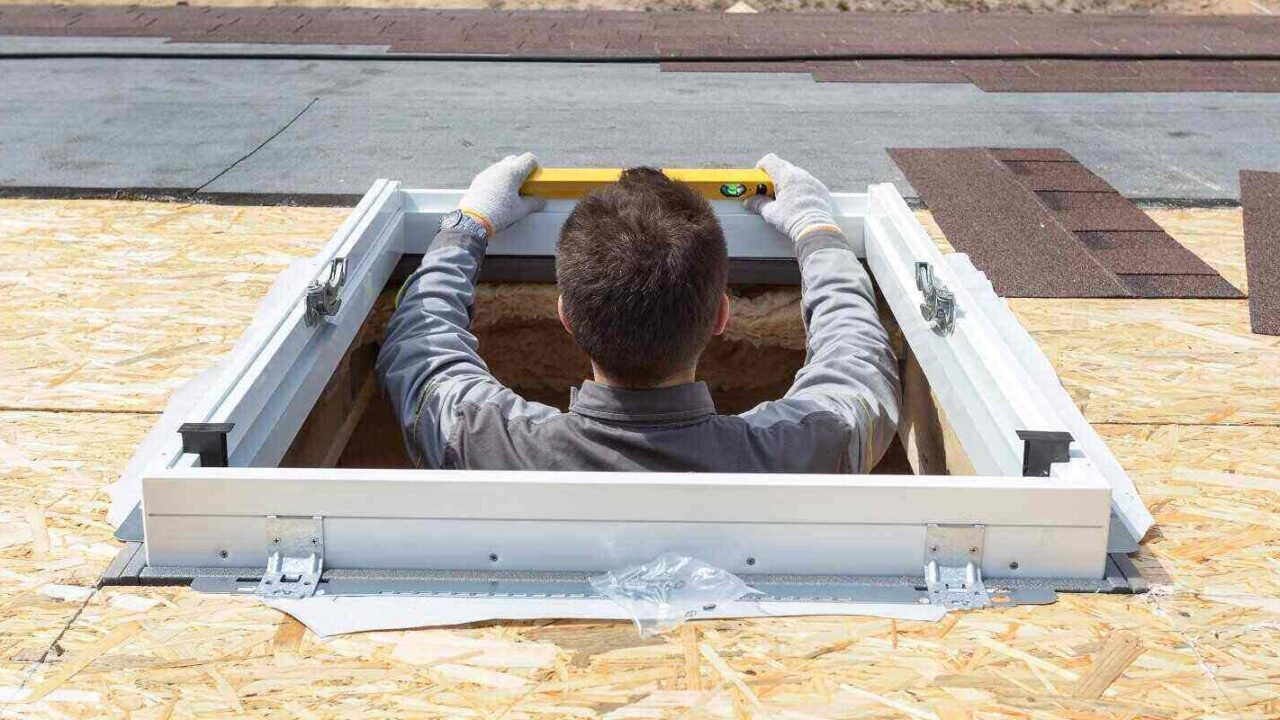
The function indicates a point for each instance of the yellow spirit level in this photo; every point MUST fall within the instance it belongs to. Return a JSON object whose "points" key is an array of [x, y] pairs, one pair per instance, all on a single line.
{"points": [[718, 184]]}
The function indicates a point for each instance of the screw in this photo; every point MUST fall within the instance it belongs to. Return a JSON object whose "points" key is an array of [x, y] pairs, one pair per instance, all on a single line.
{"points": [[493, 557], [1013, 565], [933, 548], [222, 554], [973, 550], [751, 561], [276, 541], [315, 541]]}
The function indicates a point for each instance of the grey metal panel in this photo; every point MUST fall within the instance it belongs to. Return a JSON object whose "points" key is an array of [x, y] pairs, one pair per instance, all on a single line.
{"points": [[123, 570], [130, 529], [784, 548]]}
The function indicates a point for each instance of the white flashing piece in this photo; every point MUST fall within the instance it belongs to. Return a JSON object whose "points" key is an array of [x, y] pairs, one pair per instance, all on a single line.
{"points": [[1052, 526], [591, 521]]}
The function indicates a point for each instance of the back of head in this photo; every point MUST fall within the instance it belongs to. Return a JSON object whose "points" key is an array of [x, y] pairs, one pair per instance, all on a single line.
{"points": [[641, 266]]}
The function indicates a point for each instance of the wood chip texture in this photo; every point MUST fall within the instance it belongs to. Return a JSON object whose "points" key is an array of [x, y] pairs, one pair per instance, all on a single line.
{"points": [[1182, 390]]}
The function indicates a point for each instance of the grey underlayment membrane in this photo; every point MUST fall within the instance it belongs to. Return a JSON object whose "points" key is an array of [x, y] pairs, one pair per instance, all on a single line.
{"points": [[1260, 196], [1040, 224]]}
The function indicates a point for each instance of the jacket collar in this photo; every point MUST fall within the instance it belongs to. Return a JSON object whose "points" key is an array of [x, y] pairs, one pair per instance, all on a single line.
{"points": [[667, 405]]}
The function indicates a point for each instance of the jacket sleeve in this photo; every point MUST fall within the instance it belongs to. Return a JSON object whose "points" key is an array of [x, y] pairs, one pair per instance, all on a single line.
{"points": [[849, 369], [429, 363]]}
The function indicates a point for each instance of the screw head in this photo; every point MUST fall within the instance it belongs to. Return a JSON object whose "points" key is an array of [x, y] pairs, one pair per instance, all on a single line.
{"points": [[276, 541], [933, 548], [493, 557], [973, 550], [1013, 565], [751, 561], [222, 554]]}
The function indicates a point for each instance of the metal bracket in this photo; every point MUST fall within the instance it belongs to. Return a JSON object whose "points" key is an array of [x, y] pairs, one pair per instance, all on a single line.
{"points": [[295, 557], [208, 440], [953, 566], [1043, 448], [323, 297], [939, 306]]}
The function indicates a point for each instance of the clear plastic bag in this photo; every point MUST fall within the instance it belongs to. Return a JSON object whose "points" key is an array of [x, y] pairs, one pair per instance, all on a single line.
{"points": [[661, 594]]}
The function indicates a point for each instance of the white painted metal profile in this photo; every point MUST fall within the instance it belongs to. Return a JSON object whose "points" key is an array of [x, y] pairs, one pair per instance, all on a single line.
{"points": [[1053, 526]]}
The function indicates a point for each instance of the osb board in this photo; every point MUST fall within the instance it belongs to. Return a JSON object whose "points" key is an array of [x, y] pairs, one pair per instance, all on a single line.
{"points": [[1208, 633], [110, 306], [54, 537], [1163, 361]]}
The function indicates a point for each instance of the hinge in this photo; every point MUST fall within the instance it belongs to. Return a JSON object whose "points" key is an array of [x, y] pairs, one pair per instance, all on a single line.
{"points": [[939, 306], [1043, 448], [295, 557], [324, 297], [953, 566]]}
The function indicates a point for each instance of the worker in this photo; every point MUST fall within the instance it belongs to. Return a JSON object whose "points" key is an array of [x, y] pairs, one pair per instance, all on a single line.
{"points": [[642, 269]]}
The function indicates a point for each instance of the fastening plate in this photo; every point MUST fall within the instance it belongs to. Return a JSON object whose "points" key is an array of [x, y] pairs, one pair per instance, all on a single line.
{"points": [[953, 566], [939, 306], [295, 557]]}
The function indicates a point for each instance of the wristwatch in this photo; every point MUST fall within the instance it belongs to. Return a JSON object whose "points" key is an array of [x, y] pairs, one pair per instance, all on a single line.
{"points": [[458, 220]]}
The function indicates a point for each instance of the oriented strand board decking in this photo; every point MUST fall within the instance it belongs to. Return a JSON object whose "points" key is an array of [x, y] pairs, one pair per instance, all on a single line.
{"points": [[105, 307]]}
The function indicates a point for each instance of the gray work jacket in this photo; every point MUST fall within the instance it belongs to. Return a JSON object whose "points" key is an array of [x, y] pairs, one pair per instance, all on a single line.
{"points": [[838, 417]]}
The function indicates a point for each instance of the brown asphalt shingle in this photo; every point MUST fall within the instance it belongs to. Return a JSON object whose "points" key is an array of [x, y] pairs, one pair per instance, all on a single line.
{"points": [[1097, 211], [886, 71], [1143, 253], [676, 34], [1260, 196], [1180, 286], [984, 211], [1064, 176], [1040, 224]]}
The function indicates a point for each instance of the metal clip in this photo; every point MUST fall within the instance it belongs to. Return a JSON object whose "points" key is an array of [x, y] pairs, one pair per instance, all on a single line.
{"points": [[953, 566], [295, 557], [939, 306], [323, 298]]}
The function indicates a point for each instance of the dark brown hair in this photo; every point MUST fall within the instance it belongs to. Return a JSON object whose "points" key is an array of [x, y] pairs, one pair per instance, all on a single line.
{"points": [[641, 266]]}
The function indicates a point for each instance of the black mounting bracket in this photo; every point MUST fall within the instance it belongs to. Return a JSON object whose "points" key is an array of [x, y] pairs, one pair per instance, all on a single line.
{"points": [[208, 440], [1042, 448]]}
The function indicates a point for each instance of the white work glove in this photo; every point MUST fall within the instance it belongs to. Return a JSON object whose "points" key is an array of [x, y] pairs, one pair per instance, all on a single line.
{"points": [[803, 203], [494, 196]]}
